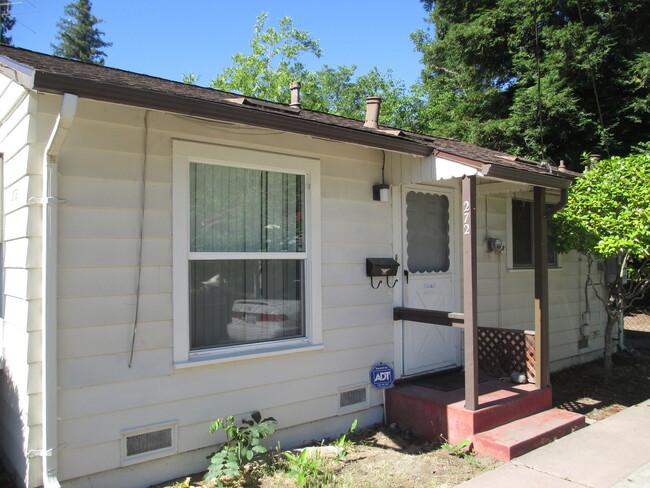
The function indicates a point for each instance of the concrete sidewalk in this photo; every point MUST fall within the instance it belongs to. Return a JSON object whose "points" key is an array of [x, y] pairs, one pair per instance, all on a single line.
{"points": [[614, 452]]}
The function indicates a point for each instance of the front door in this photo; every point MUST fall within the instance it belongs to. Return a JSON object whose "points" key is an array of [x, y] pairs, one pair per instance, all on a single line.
{"points": [[429, 281]]}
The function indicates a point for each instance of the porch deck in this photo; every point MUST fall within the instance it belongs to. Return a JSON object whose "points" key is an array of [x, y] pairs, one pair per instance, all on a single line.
{"points": [[431, 413], [511, 419]]}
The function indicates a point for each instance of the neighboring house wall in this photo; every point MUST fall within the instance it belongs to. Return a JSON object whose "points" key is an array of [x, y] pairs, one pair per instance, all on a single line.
{"points": [[21, 142]]}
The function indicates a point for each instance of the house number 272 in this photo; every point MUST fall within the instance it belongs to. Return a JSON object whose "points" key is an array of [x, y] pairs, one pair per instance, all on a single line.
{"points": [[466, 213]]}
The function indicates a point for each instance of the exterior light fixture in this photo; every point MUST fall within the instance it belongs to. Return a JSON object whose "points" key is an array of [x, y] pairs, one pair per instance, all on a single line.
{"points": [[380, 192]]}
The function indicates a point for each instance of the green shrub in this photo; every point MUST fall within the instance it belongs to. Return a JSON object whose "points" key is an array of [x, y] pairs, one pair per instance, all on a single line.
{"points": [[242, 443]]}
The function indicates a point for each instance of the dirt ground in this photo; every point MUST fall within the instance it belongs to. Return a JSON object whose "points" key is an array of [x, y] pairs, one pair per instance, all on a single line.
{"points": [[385, 457], [584, 390], [382, 457]]}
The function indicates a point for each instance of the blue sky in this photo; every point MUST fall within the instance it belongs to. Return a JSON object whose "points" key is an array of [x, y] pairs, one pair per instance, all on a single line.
{"points": [[167, 38]]}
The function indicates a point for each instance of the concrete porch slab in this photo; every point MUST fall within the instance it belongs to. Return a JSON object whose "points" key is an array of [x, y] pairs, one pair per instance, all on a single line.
{"points": [[431, 413]]}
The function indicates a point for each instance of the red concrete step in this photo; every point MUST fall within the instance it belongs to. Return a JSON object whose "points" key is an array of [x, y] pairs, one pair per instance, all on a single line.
{"points": [[521, 436], [431, 414]]}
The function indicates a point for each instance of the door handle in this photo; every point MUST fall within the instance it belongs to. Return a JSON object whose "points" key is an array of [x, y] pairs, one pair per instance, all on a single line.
{"points": [[406, 276]]}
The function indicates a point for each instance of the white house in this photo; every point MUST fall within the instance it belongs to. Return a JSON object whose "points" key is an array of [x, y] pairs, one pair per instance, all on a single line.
{"points": [[174, 254]]}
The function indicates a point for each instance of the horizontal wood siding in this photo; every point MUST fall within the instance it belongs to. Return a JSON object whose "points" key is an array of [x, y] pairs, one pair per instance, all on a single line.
{"points": [[100, 178], [20, 398], [100, 169], [505, 296]]}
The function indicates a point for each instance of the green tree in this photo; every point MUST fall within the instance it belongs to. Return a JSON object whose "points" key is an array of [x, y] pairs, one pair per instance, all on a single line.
{"points": [[78, 35], [607, 217], [273, 63], [276, 60], [539, 78], [7, 22]]}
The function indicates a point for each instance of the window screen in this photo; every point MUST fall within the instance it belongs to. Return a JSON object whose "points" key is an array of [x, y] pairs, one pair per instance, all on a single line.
{"points": [[244, 288], [427, 227], [522, 236]]}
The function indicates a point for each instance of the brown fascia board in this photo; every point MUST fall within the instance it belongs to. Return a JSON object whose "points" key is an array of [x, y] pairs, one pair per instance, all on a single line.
{"points": [[235, 113], [527, 177], [512, 174], [459, 159]]}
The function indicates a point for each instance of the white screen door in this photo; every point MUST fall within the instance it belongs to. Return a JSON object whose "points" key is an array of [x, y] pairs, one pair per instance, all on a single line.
{"points": [[430, 261]]}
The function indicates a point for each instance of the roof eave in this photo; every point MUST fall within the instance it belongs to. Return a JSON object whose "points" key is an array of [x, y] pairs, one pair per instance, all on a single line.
{"points": [[21, 74], [235, 113], [512, 174], [529, 178]]}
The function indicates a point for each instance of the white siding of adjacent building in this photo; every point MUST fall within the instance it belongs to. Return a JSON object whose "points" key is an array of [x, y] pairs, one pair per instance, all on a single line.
{"points": [[20, 399]]}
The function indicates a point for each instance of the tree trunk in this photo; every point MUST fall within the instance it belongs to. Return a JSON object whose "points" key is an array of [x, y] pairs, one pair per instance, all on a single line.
{"points": [[612, 319]]}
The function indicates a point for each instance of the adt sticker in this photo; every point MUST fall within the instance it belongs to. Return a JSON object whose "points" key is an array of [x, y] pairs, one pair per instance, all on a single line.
{"points": [[382, 376]]}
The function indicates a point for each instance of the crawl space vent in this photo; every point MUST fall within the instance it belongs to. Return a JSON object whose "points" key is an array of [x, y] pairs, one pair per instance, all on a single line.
{"points": [[149, 442], [353, 399]]}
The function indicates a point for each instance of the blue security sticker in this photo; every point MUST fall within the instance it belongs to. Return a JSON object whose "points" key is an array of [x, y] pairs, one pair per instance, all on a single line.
{"points": [[382, 376]]}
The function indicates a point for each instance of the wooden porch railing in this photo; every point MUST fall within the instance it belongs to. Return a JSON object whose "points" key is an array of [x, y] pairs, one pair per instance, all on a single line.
{"points": [[500, 351], [436, 317]]}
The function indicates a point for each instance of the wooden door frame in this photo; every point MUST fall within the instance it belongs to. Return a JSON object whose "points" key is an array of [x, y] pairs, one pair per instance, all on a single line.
{"points": [[455, 239]]}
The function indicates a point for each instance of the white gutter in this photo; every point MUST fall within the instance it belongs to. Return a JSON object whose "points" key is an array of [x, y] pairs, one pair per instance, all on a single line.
{"points": [[49, 292]]}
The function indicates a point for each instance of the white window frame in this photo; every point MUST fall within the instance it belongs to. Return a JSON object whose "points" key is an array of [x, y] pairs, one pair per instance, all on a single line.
{"points": [[510, 238], [185, 152]]}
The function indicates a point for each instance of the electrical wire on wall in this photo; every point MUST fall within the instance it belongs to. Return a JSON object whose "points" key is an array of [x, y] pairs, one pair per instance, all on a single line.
{"points": [[585, 313], [143, 200]]}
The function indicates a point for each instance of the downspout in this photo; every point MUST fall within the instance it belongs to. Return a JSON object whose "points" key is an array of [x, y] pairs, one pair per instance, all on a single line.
{"points": [[49, 292]]}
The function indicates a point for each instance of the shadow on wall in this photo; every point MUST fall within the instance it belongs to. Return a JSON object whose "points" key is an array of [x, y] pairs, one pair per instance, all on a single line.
{"points": [[12, 434]]}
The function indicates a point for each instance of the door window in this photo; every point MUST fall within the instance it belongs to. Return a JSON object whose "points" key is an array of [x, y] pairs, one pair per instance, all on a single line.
{"points": [[427, 232]]}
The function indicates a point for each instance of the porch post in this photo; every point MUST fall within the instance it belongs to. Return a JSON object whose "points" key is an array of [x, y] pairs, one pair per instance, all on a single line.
{"points": [[542, 358], [469, 289]]}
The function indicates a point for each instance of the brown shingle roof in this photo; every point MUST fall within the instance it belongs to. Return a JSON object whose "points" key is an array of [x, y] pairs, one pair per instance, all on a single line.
{"points": [[53, 74]]}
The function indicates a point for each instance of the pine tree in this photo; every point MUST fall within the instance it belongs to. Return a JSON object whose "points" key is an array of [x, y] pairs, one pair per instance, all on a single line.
{"points": [[7, 22], [78, 37], [544, 79]]}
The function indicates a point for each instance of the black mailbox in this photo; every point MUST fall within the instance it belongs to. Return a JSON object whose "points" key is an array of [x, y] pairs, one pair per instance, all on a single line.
{"points": [[381, 267]]}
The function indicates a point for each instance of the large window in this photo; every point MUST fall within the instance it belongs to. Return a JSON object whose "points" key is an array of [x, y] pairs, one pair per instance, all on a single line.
{"points": [[258, 216], [522, 236], [243, 260]]}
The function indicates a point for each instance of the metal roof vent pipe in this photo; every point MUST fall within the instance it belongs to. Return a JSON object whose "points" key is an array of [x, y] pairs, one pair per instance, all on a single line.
{"points": [[373, 106], [295, 94], [594, 159]]}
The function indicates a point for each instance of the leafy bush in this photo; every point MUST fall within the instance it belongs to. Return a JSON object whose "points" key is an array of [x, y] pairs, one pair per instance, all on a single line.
{"points": [[307, 467], [242, 443], [461, 450]]}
